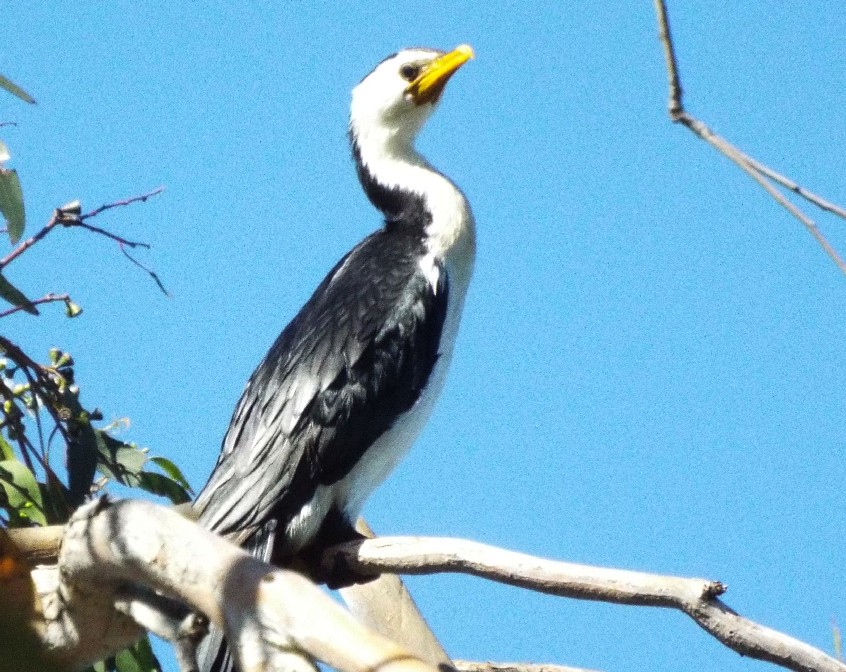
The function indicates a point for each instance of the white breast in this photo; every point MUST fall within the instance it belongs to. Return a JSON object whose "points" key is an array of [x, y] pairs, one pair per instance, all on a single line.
{"points": [[452, 240], [454, 243]]}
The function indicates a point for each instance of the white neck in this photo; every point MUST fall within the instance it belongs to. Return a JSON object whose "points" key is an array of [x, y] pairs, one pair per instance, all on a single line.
{"points": [[389, 157]]}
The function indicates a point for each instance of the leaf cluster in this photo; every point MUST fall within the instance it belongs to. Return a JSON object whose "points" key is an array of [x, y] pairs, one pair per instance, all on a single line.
{"points": [[56, 451], [136, 658], [12, 202], [41, 407]]}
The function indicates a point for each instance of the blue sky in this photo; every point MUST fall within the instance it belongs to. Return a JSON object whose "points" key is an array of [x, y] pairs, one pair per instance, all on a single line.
{"points": [[649, 373]]}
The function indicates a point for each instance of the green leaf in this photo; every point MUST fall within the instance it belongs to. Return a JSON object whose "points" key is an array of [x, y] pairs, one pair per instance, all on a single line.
{"points": [[163, 486], [12, 203], [172, 470], [15, 90], [137, 658], [6, 451], [22, 492], [119, 461], [15, 296]]}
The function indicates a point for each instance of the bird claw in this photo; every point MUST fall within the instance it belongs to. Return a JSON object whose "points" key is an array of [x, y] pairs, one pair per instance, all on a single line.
{"points": [[337, 573]]}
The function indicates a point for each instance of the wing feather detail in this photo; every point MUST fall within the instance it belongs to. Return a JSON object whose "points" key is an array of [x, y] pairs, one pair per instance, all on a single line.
{"points": [[358, 355]]}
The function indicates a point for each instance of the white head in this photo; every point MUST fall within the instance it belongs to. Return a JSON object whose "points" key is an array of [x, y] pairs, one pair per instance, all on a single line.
{"points": [[391, 104]]}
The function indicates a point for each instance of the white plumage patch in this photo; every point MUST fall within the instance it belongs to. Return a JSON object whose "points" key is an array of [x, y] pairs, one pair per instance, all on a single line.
{"points": [[303, 527], [431, 271]]}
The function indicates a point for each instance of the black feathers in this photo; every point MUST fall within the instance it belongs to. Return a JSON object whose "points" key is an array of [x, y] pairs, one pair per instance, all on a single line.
{"points": [[400, 207], [349, 383], [355, 358]]}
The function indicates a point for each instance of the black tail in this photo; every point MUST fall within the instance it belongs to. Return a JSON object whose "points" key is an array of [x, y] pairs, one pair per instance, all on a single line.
{"points": [[213, 654]]}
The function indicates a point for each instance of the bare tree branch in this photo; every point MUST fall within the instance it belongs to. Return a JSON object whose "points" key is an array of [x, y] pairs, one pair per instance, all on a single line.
{"points": [[274, 619], [120, 204], [149, 271], [436, 555], [70, 216], [140, 538], [38, 545], [759, 172], [470, 666], [385, 605], [120, 240], [695, 597], [47, 298]]}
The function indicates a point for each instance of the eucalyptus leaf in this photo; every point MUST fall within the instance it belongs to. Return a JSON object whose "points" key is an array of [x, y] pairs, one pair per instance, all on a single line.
{"points": [[6, 450], [125, 662], [12, 203], [161, 485], [14, 89], [22, 492], [137, 658], [15, 296], [117, 460], [172, 470]]}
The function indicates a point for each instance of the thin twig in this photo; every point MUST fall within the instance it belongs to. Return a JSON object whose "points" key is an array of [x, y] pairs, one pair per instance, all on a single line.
{"points": [[36, 410], [67, 217], [119, 204], [149, 271], [38, 386], [42, 374], [12, 421], [29, 242], [759, 172], [47, 298], [787, 183], [674, 105], [108, 234], [742, 161]]}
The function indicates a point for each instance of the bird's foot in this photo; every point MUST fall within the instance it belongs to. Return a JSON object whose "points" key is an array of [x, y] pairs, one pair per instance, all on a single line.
{"points": [[333, 569], [337, 572]]}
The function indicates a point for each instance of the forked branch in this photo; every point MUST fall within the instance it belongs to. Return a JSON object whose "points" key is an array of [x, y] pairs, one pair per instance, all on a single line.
{"points": [[70, 216], [762, 174], [155, 548], [698, 598], [121, 562]]}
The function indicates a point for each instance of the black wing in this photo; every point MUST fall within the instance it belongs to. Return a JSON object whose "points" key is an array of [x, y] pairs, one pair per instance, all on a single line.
{"points": [[357, 355]]}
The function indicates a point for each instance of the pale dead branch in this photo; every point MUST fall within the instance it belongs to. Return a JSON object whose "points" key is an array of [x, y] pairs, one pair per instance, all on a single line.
{"points": [[386, 606], [109, 547], [274, 619], [695, 597], [435, 555], [470, 666]]}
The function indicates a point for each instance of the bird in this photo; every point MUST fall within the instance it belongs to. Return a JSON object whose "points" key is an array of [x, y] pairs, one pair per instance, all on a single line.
{"points": [[350, 382]]}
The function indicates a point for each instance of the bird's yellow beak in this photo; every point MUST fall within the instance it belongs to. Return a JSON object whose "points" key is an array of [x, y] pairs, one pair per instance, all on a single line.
{"points": [[431, 81]]}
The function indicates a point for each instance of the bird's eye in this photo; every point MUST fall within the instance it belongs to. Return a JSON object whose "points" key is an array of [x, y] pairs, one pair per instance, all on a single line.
{"points": [[409, 72]]}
